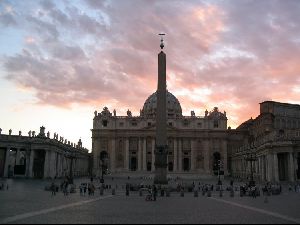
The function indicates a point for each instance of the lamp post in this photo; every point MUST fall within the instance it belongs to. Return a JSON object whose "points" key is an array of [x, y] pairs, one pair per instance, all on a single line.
{"points": [[219, 172], [103, 162], [251, 157]]}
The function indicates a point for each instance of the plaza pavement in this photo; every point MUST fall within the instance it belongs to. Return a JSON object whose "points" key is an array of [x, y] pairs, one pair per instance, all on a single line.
{"points": [[27, 202]]}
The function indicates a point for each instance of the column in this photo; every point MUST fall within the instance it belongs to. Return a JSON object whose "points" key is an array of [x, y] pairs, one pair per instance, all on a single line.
{"points": [[31, 163], [153, 155], [175, 155], [206, 155], [46, 165], [127, 155], [180, 155], [27, 155], [140, 152], [193, 155], [145, 154], [276, 172], [291, 167], [225, 160], [18, 156], [113, 155], [52, 166], [6, 162]]}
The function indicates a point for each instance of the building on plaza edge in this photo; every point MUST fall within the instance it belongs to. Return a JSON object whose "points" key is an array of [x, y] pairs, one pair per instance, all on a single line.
{"points": [[273, 140], [39, 156]]}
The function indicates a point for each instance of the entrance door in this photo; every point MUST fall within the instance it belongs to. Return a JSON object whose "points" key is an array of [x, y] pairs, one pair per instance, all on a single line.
{"points": [[186, 164], [133, 164], [2, 162], [283, 166]]}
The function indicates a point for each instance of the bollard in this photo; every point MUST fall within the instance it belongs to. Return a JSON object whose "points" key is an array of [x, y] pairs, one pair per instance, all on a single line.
{"points": [[221, 194], [182, 194], [101, 191], [141, 193], [127, 192], [167, 193], [209, 194], [196, 194], [113, 192]]}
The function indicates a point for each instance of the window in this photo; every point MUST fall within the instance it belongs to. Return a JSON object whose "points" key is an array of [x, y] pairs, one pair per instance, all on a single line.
{"points": [[121, 124], [216, 124], [104, 123], [134, 124], [170, 153], [199, 124], [149, 124], [171, 124]]}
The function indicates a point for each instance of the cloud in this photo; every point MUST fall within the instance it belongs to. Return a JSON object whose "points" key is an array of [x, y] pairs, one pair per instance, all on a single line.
{"points": [[220, 53]]}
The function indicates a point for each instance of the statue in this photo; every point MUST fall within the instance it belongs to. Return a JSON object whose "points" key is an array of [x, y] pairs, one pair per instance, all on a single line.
{"points": [[225, 113], [66, 141], [33, 133], [115, 113], [129, 114], [193, 114], [95, 113], [0, 130], [20, 133], [54, 136], [48, 134], [206, 113], [10, 131], [29, 133]]}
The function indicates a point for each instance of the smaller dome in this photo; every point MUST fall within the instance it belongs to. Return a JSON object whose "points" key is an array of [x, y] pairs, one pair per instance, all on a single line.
{"points": [[173, 106]]}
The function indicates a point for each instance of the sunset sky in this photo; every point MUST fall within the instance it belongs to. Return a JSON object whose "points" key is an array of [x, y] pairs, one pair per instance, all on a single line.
{"points": [[62, 60]]}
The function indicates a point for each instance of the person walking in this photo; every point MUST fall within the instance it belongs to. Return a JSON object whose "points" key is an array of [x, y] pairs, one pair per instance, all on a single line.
{"points": [[53, 189]]}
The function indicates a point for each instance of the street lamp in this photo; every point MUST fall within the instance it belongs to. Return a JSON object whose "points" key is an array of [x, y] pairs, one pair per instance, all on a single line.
{"points": [[251, 157], [219, 172]]}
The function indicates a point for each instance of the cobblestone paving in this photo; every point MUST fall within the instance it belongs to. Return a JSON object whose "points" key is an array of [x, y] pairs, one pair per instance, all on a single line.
{"points": [[27, 202]]}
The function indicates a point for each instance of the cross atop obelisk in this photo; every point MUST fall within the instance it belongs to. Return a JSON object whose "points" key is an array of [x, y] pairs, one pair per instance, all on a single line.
{"points": [[162, 45], [161, 148]]}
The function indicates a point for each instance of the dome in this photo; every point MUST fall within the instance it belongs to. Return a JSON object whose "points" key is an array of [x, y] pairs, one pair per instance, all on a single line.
{"points": [[173, 106]]}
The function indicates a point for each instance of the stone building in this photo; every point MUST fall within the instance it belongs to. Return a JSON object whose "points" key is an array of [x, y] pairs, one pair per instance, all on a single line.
{"points": [[273, 140], [127, 143], [38, 156]]}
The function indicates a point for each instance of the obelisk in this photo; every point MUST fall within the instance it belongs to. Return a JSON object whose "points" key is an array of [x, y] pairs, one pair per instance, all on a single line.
{"points": [[161, 148]]}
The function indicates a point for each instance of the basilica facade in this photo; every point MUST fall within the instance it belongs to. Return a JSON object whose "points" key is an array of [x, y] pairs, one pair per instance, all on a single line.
{"points": [[127, 143]]}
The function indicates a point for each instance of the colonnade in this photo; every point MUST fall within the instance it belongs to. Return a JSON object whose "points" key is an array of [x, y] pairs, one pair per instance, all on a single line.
{"points": [[268, 167]]}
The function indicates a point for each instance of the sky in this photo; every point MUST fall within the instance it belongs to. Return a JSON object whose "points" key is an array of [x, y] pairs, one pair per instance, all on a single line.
{"points": [[62, 60]]}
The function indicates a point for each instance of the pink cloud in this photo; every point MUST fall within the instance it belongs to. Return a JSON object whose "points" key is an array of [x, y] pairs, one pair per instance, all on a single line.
{"points": [[107, 54]]}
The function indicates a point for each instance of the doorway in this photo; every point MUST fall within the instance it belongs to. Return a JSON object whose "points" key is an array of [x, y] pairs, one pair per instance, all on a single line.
{"points": [[38, 164], [283, 166], [186, 164], [149, 166], [170, 167], [133, 164]]}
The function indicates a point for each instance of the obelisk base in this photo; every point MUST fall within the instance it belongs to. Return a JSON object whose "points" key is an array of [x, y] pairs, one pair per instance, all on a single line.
{"points": [[161, 155]]}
